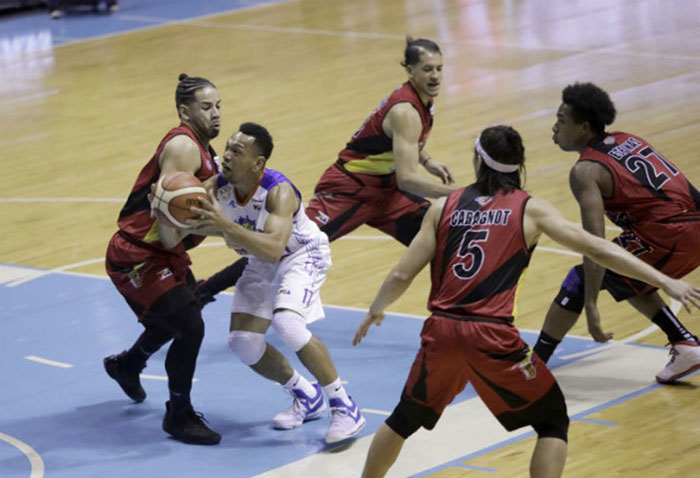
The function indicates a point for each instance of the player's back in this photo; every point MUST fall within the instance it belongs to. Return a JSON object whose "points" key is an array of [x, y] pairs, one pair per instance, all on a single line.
{"points": [[648, 189], [480, 255]]}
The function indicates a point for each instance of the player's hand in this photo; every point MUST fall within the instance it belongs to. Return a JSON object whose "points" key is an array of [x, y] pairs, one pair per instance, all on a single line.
{"points": [[440, 170], [211, 216], [594, 327], [685, 293], [150, 196], [371, 318]]}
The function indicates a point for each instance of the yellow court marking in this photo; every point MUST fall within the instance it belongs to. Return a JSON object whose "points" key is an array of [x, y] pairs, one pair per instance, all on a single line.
{"points": [[35, 461]]}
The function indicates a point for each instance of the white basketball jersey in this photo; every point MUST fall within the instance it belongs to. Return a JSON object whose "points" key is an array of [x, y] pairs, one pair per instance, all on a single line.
{"points": [[252, 213]]}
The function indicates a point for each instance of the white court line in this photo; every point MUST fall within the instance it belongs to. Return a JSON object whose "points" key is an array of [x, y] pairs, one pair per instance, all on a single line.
{"points": [[34, 274], [62, 200], [35, 96], [53, 363], [162, 378], [25, 139], [375, 412], [675, 308], [35, 461]]}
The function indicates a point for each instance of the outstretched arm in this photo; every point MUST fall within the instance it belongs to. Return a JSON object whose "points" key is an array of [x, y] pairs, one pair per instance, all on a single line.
{"points": [[540, 215], [418, 254]]}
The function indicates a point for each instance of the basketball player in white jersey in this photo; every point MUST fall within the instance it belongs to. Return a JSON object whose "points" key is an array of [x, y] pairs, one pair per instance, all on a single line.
{"points": [[258, 211]]}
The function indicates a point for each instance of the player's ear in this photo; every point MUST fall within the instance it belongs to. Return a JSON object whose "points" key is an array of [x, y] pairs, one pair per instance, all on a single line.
{"points": [[184, 112], [259, 163]]}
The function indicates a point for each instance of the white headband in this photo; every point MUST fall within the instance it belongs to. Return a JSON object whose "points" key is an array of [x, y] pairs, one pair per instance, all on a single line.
{"points": [[492, 163]]}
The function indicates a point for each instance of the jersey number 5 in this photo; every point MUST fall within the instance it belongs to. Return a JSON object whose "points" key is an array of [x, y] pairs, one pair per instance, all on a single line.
{"points": [[472, 253]]}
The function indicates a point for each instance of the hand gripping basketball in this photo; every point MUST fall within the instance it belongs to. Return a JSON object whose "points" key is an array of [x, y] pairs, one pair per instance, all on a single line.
{"points": [[174, 195]]}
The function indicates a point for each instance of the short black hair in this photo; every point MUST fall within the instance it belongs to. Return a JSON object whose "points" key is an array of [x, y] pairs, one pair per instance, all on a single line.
{"points": [[411, 54], [590, 103], [187, 86], [263, 139], [504, 144]]}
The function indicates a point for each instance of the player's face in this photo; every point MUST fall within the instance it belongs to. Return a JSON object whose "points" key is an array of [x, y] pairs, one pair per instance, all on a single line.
{"points": [[204, 114], [568, 134], [426, 75], [241, 158]]}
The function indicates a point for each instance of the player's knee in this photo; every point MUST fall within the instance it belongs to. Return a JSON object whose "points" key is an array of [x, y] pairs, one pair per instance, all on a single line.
{"points": [[188, 324], [570, 296], [291, 328], [249, 347], [554, 426], [402, 421]]}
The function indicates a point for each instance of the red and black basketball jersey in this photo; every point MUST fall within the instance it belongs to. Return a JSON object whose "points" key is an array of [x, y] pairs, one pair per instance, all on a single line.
{"points": [[649, 190], [370, 149], [135, 217], [480, 254]]}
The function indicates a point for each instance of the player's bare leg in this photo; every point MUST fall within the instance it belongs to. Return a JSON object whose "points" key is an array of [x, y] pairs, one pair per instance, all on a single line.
{"points": [[559, 321], [316, 358], [385, 448], [548, 458]]}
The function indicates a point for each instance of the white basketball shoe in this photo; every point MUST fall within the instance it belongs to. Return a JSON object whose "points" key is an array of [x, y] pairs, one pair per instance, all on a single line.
{"points": [[303, 409], [346, 420], [685, 359]]}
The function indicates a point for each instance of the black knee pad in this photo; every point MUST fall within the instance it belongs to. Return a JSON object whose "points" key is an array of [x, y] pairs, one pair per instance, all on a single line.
{"points": [[402, 421], [570, 296]]}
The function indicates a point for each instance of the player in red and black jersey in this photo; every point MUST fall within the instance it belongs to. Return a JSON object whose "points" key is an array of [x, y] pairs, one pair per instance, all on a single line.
{"points": [[147, 261], [376, 180], [479, 241], [623, 177]]}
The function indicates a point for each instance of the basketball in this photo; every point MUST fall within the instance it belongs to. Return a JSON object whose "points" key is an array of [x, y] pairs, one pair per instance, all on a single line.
{"points": [[175, 194]]}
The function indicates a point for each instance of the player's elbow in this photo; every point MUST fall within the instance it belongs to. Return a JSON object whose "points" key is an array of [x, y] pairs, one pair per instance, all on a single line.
{"points": [[405, 182], [273, 254], [399, 276]]}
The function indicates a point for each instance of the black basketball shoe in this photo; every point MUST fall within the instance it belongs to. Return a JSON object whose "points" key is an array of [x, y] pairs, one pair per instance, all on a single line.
{"points": [[188, 426], [127, 378]]}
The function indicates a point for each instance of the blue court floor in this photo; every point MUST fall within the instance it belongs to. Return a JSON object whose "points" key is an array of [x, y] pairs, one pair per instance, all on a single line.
{"points": [[57, 399]]}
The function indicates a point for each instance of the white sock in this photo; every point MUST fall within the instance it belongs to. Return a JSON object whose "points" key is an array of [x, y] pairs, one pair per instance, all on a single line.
{"points": [[298, 382], [336, 390]]}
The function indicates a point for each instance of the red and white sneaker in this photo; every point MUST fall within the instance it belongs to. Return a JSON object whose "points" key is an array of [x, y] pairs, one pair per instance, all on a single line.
{"points": [[685, 359]]}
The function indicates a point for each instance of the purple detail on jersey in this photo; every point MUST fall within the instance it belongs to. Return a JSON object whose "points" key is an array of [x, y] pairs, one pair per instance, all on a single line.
{"points": [[220, 181], [572, 282], [272, 178]]}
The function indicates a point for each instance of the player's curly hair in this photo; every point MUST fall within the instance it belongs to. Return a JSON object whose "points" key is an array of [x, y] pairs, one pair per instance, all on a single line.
{"points": [[589, 103], [504, 144], [187, 86], [411, 54], [263, 138]]}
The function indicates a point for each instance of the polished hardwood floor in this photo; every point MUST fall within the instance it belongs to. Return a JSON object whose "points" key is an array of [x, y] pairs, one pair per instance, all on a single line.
{"points": [[80, 120]]}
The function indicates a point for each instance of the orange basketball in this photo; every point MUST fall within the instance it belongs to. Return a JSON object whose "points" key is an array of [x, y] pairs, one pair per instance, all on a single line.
{"points": [[175, 194]]}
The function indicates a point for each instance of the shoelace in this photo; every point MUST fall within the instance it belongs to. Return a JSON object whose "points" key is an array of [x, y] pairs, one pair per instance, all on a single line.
{"points": [[198, 416]]}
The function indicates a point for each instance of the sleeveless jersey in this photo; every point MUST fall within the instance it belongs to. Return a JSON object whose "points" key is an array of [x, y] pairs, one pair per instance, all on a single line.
{"points": [[135, 219], [648, 192], [252, 212], [480, 255], [370, 149]]}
